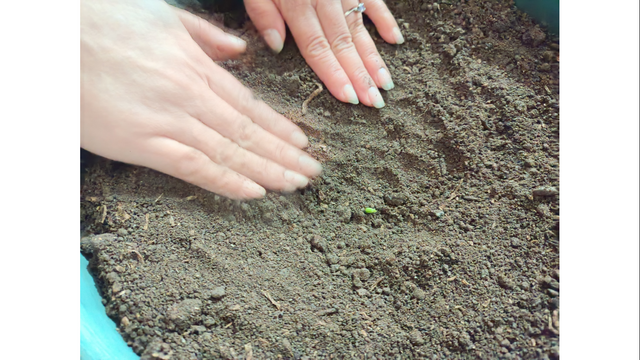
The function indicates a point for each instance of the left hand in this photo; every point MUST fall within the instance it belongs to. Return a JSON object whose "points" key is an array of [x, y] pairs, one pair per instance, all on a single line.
{"points": [[338, 48]]}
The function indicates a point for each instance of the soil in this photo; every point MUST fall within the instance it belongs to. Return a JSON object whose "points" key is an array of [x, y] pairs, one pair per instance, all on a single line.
{"points": [[459, 261]]}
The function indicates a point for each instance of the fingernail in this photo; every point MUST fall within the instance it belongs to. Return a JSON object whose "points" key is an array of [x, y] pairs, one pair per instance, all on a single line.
{"points": [[299, 139], [295, 179], [253, 190], [375, 97], [385, 79], [350, 94], [273, 39], [312, 165], [398, 36], [236, 40]]}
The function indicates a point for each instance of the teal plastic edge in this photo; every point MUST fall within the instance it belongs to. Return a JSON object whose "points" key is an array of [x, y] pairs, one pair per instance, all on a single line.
{"points": [[99, 339], [545, 12]]}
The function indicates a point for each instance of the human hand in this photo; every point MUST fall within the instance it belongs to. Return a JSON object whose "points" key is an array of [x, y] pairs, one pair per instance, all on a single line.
{"points": [[152, 96], [338, 48]]}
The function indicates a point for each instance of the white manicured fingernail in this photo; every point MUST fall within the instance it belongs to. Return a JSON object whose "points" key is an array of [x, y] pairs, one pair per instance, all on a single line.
{"points": [[375, 97], [253, 190], [350, 94], [236, 40], [397, 35], [299, 139], [295, 179], [385, 79], [313, 166], [273, 39]]}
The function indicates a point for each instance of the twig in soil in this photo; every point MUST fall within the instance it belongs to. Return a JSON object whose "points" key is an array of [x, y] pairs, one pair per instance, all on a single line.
{"points": [[378, 281], [454, 193], [140, 258], [452, 278], [327, 312], [158, 198], [550, 326], [275, 303], [248, 351], [104, 214], [305, 104], [146, 222]]}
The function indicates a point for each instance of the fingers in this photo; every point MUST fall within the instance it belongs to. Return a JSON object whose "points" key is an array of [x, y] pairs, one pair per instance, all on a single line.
{"points": [[331, 15], [315, 48], [229, 89], [217, 114], [217, 44], [368, 52], [228, 154], [193, 166], [387, 26], [267, 19]]}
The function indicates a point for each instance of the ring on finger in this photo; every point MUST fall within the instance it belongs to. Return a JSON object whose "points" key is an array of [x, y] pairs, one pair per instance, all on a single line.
{"points": [[360, 8]]}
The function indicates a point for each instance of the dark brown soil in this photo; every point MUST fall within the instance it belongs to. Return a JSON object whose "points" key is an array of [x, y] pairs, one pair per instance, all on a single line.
{"points": [[459, 261]]}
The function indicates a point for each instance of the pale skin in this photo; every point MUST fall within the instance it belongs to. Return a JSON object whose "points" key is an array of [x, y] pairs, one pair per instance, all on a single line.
{"points": [[338, 48], [152, 96]]}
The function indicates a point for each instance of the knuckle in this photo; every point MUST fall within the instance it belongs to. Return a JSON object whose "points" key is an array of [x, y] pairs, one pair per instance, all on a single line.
{"points": [[355, 24], [188, 165], [247, 132], [280, 151], [361, 73], [246, 97], [372, 56], [342, 43], [229, 152], [317, 46]]}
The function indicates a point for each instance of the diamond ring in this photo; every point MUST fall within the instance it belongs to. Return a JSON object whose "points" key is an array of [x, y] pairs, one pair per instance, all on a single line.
{"points": [[360, 8]]}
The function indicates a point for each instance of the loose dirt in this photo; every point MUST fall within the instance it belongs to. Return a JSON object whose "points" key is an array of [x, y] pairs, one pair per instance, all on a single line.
{"points": [[460, 260]]}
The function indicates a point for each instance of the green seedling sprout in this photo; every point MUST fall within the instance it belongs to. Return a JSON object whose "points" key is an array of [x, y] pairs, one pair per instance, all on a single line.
{"points": [[369, 210]]}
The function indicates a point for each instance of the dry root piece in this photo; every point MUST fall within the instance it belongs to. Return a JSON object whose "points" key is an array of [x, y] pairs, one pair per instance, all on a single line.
{"points": [[305, 104], [275, 303]]}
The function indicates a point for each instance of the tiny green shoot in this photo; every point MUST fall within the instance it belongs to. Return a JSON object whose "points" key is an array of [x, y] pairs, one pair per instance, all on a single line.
{"points": [[369, 210]]}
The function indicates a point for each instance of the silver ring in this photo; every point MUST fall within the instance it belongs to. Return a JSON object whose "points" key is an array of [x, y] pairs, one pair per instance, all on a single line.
{"points": [[360, 8]]}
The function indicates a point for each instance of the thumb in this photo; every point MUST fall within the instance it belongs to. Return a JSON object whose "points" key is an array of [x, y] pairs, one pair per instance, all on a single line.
{"points": [[266, 17], [214, 42]]}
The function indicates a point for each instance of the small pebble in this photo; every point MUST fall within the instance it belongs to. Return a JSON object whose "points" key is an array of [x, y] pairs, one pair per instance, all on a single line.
{"points": [[362, 274], [332, 258], [544, 67], [415, 337], [362, 292], [217, 293], [317, 242], [548, 56], [545, 191]]}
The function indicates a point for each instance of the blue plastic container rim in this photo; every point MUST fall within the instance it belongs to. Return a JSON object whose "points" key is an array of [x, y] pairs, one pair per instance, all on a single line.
{"points": [[99, 339]]}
